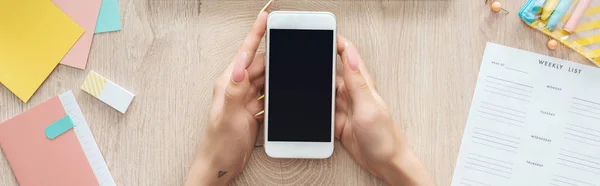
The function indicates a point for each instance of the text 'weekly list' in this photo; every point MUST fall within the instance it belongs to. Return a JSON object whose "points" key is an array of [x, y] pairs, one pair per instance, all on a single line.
{"points": [[534, 120]]}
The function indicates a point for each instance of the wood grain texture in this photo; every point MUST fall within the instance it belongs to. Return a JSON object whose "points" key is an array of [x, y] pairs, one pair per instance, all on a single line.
{"points": [[423, 54]]}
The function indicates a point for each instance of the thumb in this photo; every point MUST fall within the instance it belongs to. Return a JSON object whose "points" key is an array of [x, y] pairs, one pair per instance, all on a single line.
{"points": [[239, 84], [355, 82]]}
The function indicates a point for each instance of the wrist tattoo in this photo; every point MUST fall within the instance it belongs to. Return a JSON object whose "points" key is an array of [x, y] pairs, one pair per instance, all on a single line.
{"points": [[222, 173]]}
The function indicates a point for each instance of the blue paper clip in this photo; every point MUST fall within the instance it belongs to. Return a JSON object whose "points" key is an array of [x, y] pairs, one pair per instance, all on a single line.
{"points": [[529, 11]]}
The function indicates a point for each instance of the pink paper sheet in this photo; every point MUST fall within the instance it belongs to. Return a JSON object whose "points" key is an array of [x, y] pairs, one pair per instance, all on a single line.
{"points": [[37, 160], [84, 13]]}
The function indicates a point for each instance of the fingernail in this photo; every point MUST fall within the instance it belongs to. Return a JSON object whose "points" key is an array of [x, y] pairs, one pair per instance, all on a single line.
{"points": [[352, 57], [266, 8], [237, 75]]}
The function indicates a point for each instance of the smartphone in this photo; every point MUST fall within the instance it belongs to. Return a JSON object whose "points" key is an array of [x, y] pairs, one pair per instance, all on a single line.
{"points": [[300, 84]]}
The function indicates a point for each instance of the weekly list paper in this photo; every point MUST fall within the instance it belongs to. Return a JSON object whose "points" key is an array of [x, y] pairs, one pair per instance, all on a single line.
{"points": [[534, 120]]}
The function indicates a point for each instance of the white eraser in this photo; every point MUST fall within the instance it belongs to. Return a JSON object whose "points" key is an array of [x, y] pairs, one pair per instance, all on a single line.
{"points": [[107, 91]]}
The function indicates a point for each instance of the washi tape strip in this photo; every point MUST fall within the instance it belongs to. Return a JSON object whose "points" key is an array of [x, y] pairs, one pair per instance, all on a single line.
{"points": [[59, 127], [107, 91]]}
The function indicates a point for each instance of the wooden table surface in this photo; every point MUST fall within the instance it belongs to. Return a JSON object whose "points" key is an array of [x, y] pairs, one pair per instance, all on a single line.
{"points": [[423, 54]]}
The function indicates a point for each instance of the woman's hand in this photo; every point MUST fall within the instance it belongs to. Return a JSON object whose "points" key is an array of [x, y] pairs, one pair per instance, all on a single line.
{"points": [[229, 136], [365, 126]]}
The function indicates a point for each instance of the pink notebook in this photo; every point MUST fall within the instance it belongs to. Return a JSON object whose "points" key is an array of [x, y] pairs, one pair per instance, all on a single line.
{"points": [[36, 159]]}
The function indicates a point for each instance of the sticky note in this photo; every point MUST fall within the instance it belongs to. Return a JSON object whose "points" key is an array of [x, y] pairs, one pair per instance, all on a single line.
{"points": [[70, 159], [59, 127], [107, 91], [109, 19], [85, 13], [34, 37]]}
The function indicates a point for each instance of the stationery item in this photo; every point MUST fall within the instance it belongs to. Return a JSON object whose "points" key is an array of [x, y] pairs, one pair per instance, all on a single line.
{"points": [[109, 19], [69, 158], [35, 36], [107, 91], [585, 37], [533, 121], [552, 44], [558, 13], [582, 6], [496, 6], [529, 11], [59, 127], [549, 8], [85, 13]]}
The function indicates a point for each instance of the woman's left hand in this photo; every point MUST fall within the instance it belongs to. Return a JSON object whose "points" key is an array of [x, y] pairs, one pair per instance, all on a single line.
{"points": [[230, 134]]}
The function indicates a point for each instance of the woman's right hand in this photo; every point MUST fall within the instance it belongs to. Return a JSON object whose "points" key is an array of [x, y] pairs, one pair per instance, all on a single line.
{"points": [[365, 126]]}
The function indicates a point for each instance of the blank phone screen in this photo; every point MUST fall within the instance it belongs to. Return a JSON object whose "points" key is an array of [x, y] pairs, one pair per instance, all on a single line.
{"points": [[300, 85]]}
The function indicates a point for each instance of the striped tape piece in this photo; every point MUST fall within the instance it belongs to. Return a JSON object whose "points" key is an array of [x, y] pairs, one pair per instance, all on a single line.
{"points": [[107, 91], [94, 84]]}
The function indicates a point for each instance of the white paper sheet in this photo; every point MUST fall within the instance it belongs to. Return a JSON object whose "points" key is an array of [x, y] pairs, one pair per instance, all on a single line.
{"points": [[87, 141], [534, 120]]}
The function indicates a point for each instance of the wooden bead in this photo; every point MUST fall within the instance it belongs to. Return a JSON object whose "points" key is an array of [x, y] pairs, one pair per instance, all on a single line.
{"points": [[552, 44], [496, 6]]}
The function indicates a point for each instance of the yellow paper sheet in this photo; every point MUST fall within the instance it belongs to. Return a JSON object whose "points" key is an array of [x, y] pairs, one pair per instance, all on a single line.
{"points": [[34, 36]]}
